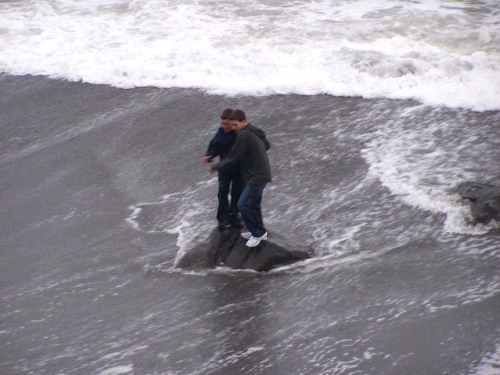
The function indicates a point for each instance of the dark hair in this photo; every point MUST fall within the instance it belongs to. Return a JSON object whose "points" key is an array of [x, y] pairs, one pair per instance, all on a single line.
{"points": [[226, 114], [238, 115]]}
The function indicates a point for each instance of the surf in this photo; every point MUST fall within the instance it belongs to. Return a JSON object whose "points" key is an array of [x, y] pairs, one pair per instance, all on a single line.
{"points": [[388, 49]]}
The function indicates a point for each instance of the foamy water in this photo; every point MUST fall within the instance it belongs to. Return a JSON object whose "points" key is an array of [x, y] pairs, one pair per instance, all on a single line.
{"points": [[437, 52], [422, 160], [369, 184], [490, 363]]}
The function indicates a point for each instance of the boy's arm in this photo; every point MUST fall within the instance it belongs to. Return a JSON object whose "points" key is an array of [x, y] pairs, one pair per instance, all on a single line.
{"points": [[212, 151], [235, 155]]}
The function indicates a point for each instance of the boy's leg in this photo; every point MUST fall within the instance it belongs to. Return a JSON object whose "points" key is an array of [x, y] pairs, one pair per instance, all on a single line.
{"points": [[223, 208], [249, 206], [258, 212], [237, 186]]}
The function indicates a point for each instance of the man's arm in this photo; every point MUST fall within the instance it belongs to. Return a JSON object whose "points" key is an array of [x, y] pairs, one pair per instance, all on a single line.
{"points": [[235, 155], [212, 150]]}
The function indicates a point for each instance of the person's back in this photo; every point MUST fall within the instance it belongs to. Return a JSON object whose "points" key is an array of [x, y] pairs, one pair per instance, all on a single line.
{"points": [[255, 164]]}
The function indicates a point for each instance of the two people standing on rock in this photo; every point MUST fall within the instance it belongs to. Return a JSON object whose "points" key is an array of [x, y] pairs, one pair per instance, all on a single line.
{"points": [[250, 152]]}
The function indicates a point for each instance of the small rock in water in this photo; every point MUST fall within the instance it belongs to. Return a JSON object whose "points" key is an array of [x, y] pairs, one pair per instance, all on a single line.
{"points": [[485, 200]]}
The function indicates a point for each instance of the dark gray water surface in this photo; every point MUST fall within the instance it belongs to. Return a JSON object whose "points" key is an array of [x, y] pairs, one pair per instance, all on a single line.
{"points": [[102, 190]]}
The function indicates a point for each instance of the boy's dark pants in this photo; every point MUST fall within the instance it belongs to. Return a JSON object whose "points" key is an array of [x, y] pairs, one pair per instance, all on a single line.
{"points": [[229, 183], [249, 206]]}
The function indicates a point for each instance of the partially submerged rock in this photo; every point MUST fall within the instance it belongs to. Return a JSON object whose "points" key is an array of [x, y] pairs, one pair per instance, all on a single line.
{"points": [[485, 200], [228, 247]]}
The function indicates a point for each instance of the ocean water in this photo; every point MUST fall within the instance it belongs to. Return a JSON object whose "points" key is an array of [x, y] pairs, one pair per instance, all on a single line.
{"points": [[436, 52], [376, 111]]}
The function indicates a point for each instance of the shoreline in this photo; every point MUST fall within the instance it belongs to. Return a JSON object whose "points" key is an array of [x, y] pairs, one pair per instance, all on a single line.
{"points": [[241, 96]]}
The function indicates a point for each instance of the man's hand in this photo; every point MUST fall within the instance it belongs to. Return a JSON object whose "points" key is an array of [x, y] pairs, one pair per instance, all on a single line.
{"points": [[206, 159], [209, 167]]}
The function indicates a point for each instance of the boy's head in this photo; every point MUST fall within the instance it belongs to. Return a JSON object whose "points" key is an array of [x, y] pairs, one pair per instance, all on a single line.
{"points": [[238, 120], [225, 122]]}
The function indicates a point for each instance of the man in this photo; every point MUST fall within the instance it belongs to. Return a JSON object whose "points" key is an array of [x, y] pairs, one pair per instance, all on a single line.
{"points": [[250, 149], [231, 179]]}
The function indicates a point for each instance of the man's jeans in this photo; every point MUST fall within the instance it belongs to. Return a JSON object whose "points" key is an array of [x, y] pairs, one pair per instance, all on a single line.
{"points": [[249, 206], [226, 210]]}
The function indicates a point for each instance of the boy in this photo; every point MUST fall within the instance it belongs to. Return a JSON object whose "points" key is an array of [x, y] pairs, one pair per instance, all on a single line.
{"points": [[230, 180]]}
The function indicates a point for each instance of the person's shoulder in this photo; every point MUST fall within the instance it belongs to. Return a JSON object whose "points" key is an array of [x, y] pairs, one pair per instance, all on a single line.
{"points": [[219, 133], [256, 131], [244, 132], [256, 128]]}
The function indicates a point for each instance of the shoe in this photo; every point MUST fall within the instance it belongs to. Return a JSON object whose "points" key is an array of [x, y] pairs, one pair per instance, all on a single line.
{"points": [[254, 241], [223, 224], [247, 235]]}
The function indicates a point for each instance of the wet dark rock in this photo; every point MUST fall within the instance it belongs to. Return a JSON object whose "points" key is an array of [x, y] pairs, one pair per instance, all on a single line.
{"points": [[228, 247], [485, 200]]}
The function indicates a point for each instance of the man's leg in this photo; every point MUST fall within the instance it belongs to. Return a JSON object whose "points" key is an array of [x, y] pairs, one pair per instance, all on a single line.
{"points": [[222, 195], [237, 186], [249, 206], [258, 212]]}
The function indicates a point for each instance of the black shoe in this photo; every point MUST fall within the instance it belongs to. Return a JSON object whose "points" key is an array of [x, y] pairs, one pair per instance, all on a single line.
{"points": [[223, 224]]}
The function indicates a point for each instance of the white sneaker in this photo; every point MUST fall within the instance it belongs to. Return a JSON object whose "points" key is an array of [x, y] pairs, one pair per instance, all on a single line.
{"points": [[247, 235], [254, 241]]}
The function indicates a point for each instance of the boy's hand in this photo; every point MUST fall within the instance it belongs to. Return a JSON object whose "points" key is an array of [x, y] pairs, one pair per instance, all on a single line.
{"points": [[206, 159]]}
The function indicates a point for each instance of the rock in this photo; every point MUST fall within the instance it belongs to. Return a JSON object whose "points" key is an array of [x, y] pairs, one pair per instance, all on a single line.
{"points": [[485, 200], [228, 247]]}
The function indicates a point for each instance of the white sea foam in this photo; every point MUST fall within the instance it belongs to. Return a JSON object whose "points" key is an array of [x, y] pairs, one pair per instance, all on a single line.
{"points": [[421, 163], [187, 215], [118, 370], [490, 363], [440, 53]]}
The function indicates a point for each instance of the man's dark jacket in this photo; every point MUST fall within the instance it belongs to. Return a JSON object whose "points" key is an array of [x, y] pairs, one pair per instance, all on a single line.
{"points": [[250, 149]]}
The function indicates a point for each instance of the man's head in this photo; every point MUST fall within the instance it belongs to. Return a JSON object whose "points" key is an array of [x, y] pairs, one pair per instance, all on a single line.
{"points": [[225, 122], [238, 120]]}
